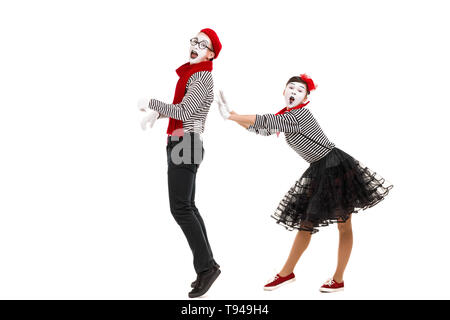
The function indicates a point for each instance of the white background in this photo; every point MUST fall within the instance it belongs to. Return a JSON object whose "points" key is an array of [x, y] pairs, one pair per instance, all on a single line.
{"points": [[83, 192]]}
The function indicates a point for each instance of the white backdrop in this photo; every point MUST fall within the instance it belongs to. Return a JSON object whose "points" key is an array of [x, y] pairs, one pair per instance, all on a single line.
{"points": [[83, 193]]}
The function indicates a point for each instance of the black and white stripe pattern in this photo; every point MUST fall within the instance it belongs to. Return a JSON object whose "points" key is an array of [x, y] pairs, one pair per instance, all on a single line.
{"points": [[194, 107], [302, 132]]}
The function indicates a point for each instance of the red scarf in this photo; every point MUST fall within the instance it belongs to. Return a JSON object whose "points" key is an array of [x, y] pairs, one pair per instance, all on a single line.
{"points": [[284, 110], [185, 72]]}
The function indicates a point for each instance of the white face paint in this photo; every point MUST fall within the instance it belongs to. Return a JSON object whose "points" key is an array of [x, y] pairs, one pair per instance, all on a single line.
{"points": [[197, 54], [294, 94]]}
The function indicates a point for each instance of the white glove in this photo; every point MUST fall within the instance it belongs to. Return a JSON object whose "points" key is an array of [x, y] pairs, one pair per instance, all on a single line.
{"points": [[223, 106], [149, 119], [143, 104]]}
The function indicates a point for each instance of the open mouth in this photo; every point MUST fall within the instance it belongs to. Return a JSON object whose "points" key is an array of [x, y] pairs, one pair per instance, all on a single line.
{"points": [[291, 100], [194, 54]]}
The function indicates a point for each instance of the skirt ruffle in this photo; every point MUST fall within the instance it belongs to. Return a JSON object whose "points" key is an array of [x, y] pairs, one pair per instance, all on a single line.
{"points": [[329, 191]]}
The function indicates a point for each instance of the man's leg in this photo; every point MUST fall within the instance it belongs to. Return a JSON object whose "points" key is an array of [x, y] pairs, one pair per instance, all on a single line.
{"points": [[181, 179], [200, 220]]}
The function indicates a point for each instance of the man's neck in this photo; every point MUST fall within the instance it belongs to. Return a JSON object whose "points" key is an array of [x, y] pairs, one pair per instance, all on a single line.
{"points": [[198, 62]]}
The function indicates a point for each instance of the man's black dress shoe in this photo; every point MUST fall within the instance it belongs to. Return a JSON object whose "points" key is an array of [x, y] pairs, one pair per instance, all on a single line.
{"points": [[204, 282], [194, 282]]}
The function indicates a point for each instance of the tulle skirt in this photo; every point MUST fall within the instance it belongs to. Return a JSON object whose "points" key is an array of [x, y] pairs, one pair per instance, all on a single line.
{"points": [[329, 191]]}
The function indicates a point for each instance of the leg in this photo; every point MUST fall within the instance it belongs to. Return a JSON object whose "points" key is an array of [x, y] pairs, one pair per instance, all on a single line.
{"points": [[345, 248], [301, 242], [200, 219], [181, 180]]}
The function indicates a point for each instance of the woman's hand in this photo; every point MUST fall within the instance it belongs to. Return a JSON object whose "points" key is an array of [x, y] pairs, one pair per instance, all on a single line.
{"points": [[225, 112]]}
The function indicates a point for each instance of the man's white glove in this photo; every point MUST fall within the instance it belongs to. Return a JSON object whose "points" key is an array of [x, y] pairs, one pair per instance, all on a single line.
{"points": [[223, 106], [149, 119], [143, 104], [151, 115]]}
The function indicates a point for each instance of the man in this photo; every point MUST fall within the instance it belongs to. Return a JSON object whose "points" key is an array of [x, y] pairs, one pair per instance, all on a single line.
{"points": [[193, 97]]}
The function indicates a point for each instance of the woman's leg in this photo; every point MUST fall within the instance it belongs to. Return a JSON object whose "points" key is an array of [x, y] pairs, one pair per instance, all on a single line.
{"points": [[345, 248], [299, 246]]}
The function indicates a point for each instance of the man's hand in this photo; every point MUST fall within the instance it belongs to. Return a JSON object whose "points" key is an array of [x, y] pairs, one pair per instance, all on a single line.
{"points": [[143, 104], [149, 119], [223, 106]]}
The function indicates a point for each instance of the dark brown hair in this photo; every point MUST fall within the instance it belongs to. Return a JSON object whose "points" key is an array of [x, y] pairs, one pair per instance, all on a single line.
{"points": [[298, 79]]}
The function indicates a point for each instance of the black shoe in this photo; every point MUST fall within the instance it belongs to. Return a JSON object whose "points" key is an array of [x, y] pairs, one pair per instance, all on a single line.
{"points": [[204, 282], [195, 282]]}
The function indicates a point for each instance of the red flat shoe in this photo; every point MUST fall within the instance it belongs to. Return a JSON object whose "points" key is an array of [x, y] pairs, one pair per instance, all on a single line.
{"points": [[278, 281], [332, 286]]}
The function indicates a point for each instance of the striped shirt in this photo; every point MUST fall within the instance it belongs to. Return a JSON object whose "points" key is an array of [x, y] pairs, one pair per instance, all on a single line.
{"points": [[301, 130], [194, 107]]}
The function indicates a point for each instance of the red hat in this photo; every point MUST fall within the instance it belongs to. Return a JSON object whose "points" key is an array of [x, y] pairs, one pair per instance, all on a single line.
{"points": [[217, 46], [309, 82]]}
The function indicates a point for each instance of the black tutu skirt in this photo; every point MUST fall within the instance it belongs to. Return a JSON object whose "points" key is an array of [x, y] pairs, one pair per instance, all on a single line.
{"points": [[329, 191]]}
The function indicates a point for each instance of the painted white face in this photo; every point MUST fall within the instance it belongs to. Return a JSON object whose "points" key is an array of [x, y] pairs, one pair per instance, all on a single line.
{"points": [[294, 94], [199, 48]]}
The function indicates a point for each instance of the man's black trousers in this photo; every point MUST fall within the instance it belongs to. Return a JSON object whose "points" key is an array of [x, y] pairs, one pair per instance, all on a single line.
{"points": [[181, 173]]}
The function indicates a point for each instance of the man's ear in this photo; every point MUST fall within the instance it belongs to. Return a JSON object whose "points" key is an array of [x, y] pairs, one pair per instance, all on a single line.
{"points": [[211, 54]]}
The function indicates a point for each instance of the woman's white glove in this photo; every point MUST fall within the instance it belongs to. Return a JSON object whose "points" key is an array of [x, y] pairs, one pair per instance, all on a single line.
{"points": [[223, 106], [149, 119]]}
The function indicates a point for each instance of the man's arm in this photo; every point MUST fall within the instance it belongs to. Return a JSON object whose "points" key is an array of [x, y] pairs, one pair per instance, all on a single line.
{"points": [[192, 100]]}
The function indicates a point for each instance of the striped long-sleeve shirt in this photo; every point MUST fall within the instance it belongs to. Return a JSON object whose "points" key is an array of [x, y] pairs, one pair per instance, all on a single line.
{"points": [[194, 107], [301, 130]]}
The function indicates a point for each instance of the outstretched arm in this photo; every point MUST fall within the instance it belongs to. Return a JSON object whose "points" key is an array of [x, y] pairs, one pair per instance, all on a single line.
{"points": [[195, 94], [243, 120], [248, 122], [265, 124], [286, 122]]}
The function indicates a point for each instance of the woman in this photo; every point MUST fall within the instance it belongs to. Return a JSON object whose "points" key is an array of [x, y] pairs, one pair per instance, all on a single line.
{"points": [[334, 186]]}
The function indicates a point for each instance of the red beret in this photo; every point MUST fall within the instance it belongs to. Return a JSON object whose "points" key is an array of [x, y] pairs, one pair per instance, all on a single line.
{"points": [[309, 82], [217, 46]]}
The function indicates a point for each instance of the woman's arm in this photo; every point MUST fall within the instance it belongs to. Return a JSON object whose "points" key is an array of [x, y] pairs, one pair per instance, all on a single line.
{"points": [[286, 122], [267, 124], [243, 120]]}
